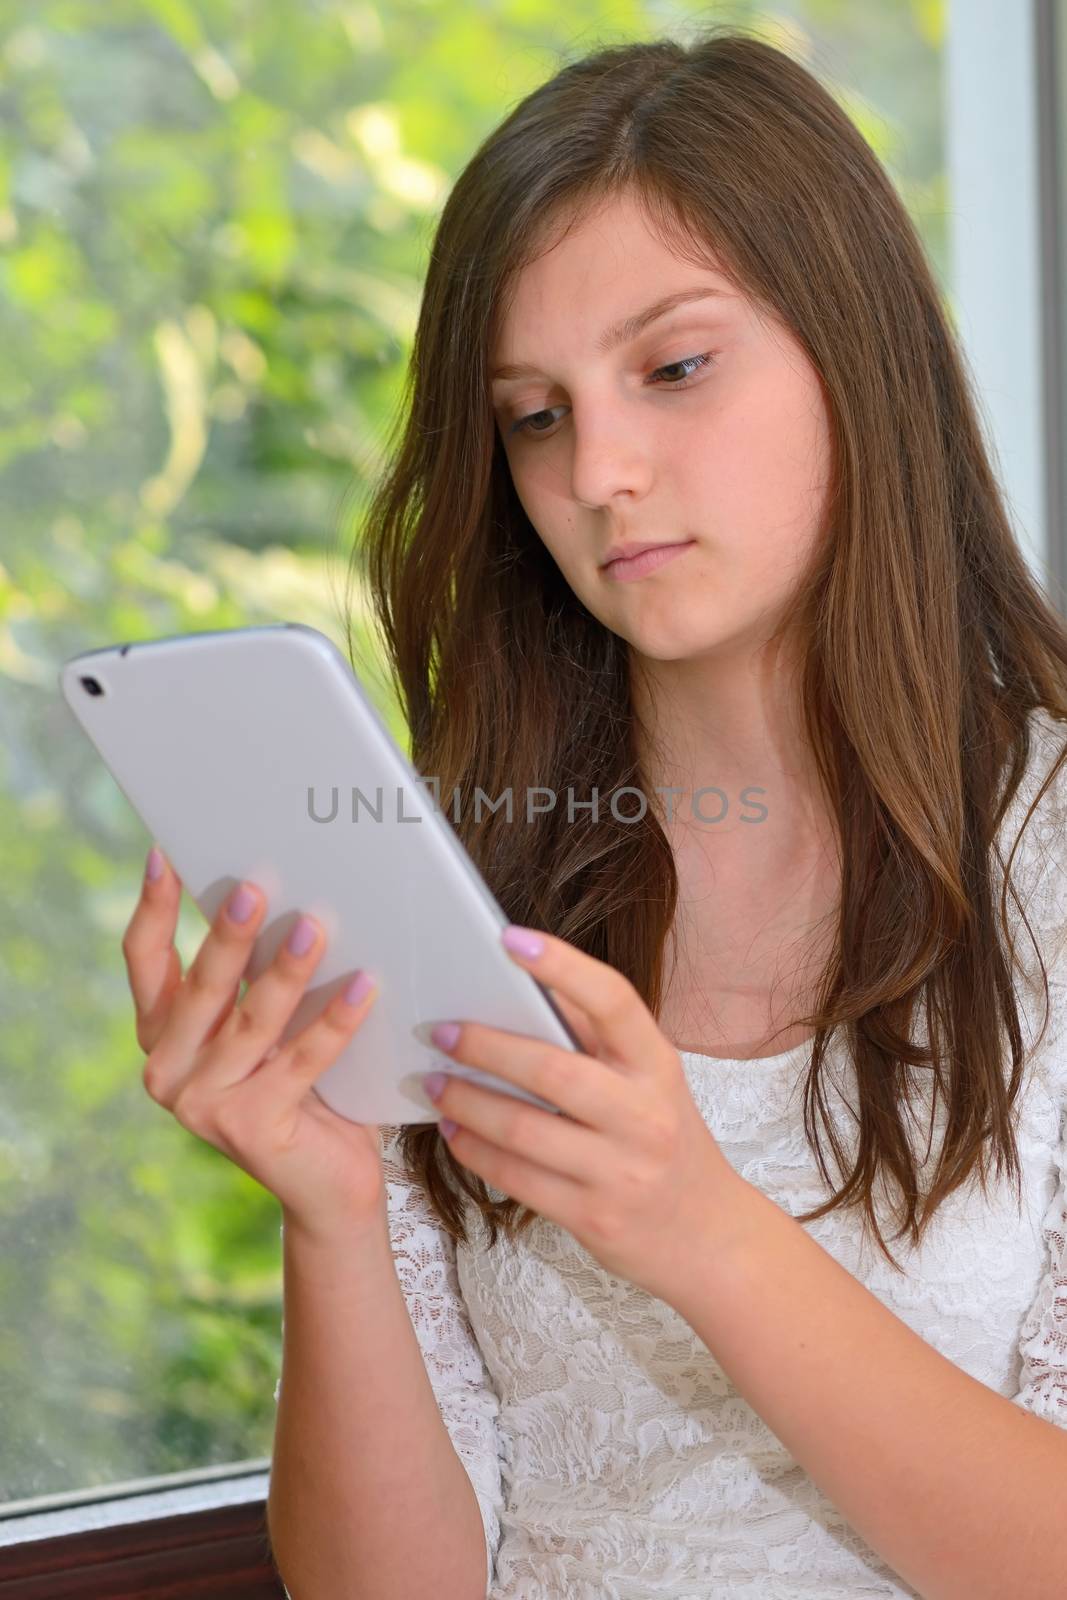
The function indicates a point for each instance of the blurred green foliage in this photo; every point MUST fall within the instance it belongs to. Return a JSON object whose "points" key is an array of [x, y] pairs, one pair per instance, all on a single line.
{"points": [[214, 222]]}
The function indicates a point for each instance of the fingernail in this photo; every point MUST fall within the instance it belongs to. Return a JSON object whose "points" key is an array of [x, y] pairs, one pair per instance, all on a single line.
{"points": [[242, 904], [359, 988], [154, 865], [445, 1034], [523, 941], [302, 937]]}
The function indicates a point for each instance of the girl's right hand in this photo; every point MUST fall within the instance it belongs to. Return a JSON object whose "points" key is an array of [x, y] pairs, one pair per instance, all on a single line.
{"points": [[217, 1066]]}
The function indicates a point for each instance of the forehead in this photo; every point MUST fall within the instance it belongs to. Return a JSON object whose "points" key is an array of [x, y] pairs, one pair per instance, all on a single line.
{"points": [[601, 276], [629, 327]]}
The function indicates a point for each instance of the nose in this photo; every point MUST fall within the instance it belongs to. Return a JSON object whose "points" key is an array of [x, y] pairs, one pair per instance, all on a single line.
{"points": [[610, 458]]}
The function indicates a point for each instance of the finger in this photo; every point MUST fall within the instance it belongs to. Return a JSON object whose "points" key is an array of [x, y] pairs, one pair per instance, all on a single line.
{"points": [[584, 1088], [304, 1058], [153, 967], [250, 1033], [225, 1012], [627, 1032], [578, 1020], [204, 1002], [552, 1185]]}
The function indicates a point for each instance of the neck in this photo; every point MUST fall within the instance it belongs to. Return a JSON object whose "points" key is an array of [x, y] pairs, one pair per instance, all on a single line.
{"points": [[735, 732]]}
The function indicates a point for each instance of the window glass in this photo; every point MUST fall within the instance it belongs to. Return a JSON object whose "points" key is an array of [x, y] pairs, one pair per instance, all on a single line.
{"points": [[214, 222]]}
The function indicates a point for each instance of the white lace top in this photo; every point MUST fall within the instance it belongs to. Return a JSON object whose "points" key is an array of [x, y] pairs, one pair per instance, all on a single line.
{"points": [[610, 1453]]}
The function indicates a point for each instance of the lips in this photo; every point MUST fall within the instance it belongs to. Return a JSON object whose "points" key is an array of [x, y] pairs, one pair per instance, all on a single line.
{"points": [[637, 550], [625, 568]]}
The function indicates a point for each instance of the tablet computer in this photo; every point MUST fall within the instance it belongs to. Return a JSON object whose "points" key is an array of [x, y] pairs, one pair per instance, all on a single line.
{"points": [[256, 753]]}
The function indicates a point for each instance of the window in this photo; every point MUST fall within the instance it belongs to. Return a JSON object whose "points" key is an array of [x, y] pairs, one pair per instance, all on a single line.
{"points": [[1005, 105], [214, 235], [1052, 105]]}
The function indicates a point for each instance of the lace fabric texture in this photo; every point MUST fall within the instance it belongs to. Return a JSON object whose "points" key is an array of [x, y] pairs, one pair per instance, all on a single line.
{"points": [[611, 1456]]}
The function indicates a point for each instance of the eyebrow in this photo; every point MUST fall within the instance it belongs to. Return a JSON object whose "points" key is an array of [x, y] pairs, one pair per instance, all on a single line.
{"points": [[622, 332]]}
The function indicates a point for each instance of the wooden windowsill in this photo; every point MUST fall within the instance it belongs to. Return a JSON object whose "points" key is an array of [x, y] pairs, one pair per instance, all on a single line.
{"points": [[190, 1533]]}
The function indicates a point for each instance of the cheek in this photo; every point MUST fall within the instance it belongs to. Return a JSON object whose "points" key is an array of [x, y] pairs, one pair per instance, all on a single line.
{"points": [[532, 483], [762, 476], [550, 512]]}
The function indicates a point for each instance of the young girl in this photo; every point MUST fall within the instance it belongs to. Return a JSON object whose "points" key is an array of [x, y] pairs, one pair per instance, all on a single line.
{"points": [[675, 302]]}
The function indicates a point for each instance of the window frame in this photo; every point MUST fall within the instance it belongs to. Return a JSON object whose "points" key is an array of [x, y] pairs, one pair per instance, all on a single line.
{"points": [[1051, 101], [1006, 214], [188, 1532]]}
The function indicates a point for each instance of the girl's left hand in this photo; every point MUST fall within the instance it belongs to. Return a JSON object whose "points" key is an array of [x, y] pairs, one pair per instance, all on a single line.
{"points": [[630, 1169]]}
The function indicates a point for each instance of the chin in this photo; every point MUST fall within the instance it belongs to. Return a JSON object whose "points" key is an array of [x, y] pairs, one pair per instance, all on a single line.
{"points": [[677, 643], [667, 644]]}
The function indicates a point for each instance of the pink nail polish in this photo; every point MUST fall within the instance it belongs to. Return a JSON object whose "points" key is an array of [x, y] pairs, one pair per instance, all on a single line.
{"points": [[242, 904], [359, 988], [302, 937], [524, 941]]}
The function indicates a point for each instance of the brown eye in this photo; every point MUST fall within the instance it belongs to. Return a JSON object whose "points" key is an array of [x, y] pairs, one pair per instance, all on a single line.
{"points": [[523, 425]]}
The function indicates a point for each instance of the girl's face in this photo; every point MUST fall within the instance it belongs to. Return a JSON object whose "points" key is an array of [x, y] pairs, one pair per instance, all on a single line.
{"points": [[708, 426]]}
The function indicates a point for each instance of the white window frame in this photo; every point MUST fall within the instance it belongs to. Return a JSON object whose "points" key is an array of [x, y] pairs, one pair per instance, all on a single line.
{"points": [[1005, 88]]}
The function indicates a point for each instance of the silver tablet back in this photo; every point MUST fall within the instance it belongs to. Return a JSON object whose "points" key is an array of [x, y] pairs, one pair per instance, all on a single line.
{"points": [[255, 753]]}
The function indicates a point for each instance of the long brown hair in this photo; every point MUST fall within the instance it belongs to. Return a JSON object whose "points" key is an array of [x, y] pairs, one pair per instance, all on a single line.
{"points": [[927, 642]]}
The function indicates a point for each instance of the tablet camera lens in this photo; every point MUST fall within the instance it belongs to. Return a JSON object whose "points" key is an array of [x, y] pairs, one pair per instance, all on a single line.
{"points": [[91, 686]]}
